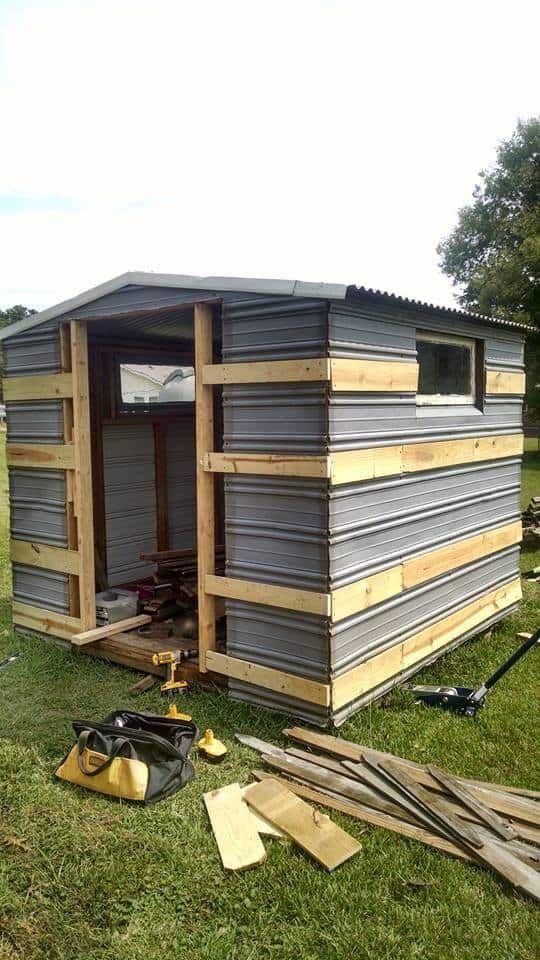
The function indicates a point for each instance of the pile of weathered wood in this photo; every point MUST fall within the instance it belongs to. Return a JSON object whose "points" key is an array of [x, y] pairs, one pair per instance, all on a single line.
{"points": [[531, 519], [490, 825], [174, 587]]}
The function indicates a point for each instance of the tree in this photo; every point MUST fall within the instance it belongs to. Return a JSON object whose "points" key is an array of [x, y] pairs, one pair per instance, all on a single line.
{"points": [[10, 315], [493, 254]]}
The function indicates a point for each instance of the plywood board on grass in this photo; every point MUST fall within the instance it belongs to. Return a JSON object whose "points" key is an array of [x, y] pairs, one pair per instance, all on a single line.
{"points": [[235, 830]]}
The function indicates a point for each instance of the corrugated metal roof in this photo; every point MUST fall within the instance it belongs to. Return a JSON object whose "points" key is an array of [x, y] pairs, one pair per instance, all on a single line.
{"points": [[406, 302], [263, 287]]}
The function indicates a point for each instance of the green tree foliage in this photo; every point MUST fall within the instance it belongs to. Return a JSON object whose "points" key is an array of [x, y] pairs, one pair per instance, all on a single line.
{"points": [[10, 315], [493, 254]]}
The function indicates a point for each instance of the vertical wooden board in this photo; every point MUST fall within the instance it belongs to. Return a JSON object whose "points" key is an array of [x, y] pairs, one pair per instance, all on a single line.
{"points": [[71, 520], [204, 438], [83, 473], [314, 832], [235, 830]]}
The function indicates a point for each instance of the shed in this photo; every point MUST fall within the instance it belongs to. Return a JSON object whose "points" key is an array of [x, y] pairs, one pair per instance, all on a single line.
{"points": [[358, 454]]}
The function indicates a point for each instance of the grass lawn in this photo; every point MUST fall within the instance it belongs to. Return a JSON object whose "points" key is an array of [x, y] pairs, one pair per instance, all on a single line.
{"points": [[95, 878]]}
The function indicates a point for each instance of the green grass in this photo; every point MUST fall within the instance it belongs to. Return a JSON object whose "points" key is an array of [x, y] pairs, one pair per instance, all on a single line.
{"points": [[102, 879]]}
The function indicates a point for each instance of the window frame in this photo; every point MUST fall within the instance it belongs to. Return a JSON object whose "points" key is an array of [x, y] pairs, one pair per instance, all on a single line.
{"points": [[151, 408], [451, 399]]}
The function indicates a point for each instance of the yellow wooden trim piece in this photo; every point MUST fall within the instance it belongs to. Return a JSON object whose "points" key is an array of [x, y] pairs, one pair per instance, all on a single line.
{"points": [[429, 565], [45, 621], [269, 678], [500, 381], [352, 466], [375, 671], [365, 593], [445, 453], [374, 376], [52, 386], [206, 509], [306, 601], [83, 473], [268, 371], [45, 556], [267, 464], [41, 455]]}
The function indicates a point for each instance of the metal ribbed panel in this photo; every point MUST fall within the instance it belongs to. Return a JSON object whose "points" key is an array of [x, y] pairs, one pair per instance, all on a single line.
{"points": [[278, 418], [41, 588], [362, 636], [38, 505], [181, 489], [37, 351], [278, 702], [373, 525], [39, 421], [276, 531], [274, 329], [130, 500]]}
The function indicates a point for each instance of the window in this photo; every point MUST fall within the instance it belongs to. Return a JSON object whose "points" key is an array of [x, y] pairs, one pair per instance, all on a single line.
{"points": [[142, 384], [446, 372]]}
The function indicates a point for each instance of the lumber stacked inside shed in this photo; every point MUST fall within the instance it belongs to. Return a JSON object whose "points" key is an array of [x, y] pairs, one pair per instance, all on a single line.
{"points": [[488, 824]]}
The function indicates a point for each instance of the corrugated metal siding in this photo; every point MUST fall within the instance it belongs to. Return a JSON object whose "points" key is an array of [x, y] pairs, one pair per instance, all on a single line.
{"points": [[274, 329], [41, 588], [130, 500], [39, 421], [279, 418], [38, 505], [181, 488], [37, 351]]}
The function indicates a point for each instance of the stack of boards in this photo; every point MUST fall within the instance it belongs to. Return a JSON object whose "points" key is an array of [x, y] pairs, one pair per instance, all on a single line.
{"points": [[489, 825], [240, 816]]}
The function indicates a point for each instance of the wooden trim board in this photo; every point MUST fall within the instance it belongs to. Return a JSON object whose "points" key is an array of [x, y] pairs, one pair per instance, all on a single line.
{"points": [[368, 591], [110, 629], [52, 386], [45, 556], [45, 621], [54, 456], [206, 503], [506, 383], [375, 671], [288, 684], [343, 374], [84, 504], [355, 466]]}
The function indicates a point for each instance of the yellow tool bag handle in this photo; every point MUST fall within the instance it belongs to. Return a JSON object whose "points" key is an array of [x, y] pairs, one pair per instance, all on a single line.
{"points": [[82, 744]]}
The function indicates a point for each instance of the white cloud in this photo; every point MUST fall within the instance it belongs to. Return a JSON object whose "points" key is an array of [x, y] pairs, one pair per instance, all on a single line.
{"points": [[319, 139]]}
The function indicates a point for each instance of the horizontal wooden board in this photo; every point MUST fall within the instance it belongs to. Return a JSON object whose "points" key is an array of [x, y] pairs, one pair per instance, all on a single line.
{"points": [[45, 621], [42, 555], [366, 592], [503, 382], [287, 683], [306, 601], [373, 376], [429, 565], [268, 371], [51, 386], [268, 464], [375, 671], [41, 455], [101, 633], [352, 466]]}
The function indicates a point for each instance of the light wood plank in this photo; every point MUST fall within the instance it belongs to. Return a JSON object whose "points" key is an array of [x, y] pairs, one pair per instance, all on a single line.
{"points": [[110, 629], [374, 376], [504, 382], [366, 592], [44, 556], [494, 448], [41, 455], [250, 591], [267, 464], [51, 386], [206, 509], [264, 827], [71, 519], [269, 678], [373, 672], [313, 832], [45, 621], [83, 473], [235, 831], [352, 466], [268, 371], [429, 565]]}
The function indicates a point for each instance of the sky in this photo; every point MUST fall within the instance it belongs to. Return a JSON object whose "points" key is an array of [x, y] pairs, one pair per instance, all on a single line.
{"points": [[323, 140]]}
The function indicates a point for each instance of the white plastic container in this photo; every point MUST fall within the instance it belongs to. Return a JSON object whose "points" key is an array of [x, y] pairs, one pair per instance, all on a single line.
{"points": [[114, 605]]}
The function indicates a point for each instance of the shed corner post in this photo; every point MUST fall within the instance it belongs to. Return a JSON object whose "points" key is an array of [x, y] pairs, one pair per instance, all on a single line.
{"points": [[83, 473], [204, 443]]}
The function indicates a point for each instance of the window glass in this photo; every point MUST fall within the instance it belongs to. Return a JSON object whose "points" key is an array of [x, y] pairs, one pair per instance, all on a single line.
{"points": [[446, 369], [156, 383]]}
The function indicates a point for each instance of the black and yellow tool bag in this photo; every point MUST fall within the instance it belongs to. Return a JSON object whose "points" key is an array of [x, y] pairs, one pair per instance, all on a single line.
{"points": [[136, 756]]}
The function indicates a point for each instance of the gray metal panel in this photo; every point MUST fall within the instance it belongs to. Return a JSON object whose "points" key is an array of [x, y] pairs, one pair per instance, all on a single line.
{"points": [[35, 421], [38, 505], [273, 329], [33, 352], [130, 500], [41, 588], [362, 636], [278, 418], [375, 524], [181, 489], [276, 530], [278, 702]]}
